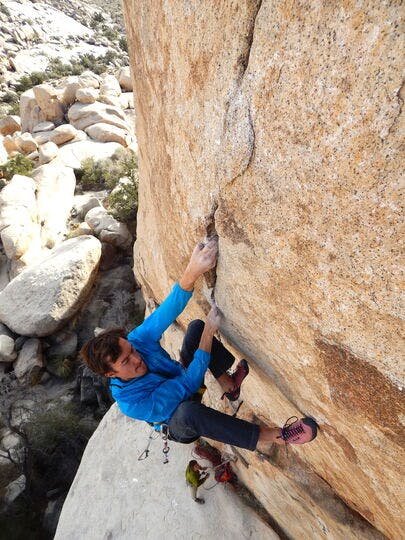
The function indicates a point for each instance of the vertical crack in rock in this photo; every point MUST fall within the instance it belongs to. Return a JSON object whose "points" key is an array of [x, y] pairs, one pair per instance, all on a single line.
{"points": [[238, 139], [399, 98], [245, 59], [210, 230]]}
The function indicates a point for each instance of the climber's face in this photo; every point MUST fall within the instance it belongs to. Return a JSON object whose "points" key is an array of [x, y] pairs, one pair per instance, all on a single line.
{"points": [[129, 363]]}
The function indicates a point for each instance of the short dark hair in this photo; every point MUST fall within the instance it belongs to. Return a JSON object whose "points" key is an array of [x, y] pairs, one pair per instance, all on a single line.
{"points": [[103, 350]]}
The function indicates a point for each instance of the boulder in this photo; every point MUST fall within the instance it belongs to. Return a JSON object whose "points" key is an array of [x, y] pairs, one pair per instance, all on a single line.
{"points": [[63, 134], [45, 296], [3, 152], [87, 95], [107, 228], [30, 112], [26, 143], [108, 133], [89, 79], [72, 154], [84, 203], [110, 100], [42, 137], [19, 224], [14, 489], [48, 101], [43, 126], [127, 100], [47, 152], [69, 87], [10, 124], [7, 351], [83, 228], [30, 361], [10, 144], [62, 344], [55, 191], [82, 115], [109, 86], [124, 79]]}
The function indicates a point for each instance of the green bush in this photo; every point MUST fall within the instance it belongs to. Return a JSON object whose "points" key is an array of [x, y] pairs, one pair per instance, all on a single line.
{"points": [[57, 438], [123, 163], [123, 43], [4, 9], [9, 97], [122, 202], [26, 82], [14, 108], [96, 19], [109, 33], [90, 175], [60, 366], [56, 69], [17, 164]]}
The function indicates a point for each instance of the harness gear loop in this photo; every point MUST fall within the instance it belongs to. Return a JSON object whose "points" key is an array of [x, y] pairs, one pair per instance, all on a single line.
{"points": [[164, 431]]}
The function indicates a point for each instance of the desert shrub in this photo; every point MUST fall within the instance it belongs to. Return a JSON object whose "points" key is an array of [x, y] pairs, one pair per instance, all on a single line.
{"points": [[60, 366], [28, 81], [90, 175], [123, 43], [9, 97], [109, 33], [4, 9], [123, 163], [97, 64], [14, 108], [57, 438], [96, 19], [122, 203], [18, 164]]}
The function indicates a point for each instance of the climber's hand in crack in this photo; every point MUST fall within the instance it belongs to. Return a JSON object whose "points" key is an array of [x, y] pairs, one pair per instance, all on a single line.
{"points": [[211, 326], [203, 258]]}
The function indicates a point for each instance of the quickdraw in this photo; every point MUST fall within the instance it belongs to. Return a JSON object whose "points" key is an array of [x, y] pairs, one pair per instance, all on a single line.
{"points": [[166, 448], [153, 435]]}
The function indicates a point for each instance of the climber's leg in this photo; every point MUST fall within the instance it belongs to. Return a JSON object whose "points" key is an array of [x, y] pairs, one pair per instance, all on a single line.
{"points": [[221, 360], [192, 420]]}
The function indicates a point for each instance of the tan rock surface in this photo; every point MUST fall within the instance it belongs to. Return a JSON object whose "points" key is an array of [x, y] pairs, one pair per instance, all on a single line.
{"points": [[277, 125]]}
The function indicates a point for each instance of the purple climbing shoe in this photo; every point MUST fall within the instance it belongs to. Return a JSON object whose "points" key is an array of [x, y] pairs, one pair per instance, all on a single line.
{"points": [[242, 370], [297, 431]]}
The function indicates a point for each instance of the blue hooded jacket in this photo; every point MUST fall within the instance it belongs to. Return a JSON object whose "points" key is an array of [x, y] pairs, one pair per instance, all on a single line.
{"points": [[155, 396]]}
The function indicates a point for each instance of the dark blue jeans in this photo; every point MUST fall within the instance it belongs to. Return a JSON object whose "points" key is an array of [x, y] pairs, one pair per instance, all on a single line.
{"points": [[192, 420]]}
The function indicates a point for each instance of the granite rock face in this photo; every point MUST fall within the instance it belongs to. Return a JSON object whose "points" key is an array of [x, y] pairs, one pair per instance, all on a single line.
{"points": [[277, 126]]}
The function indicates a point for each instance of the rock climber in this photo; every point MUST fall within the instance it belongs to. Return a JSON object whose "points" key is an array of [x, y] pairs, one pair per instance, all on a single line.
{"points": [[148, 385], [195, 479]]}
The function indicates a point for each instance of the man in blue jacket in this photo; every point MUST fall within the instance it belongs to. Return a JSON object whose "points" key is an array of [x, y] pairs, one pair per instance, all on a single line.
{"points": [[148, 385]]}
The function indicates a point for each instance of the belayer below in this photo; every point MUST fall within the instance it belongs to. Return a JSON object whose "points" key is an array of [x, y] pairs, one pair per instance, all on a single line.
{"points": [[195, 479], [148, 385]]}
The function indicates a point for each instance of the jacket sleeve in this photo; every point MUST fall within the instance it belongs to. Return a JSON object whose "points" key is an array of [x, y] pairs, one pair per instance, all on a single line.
{"points": [[160, 404], [168, 311]]}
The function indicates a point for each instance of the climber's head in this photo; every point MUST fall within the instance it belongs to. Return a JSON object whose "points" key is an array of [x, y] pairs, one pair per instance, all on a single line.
{"points": [[110, 354]]}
